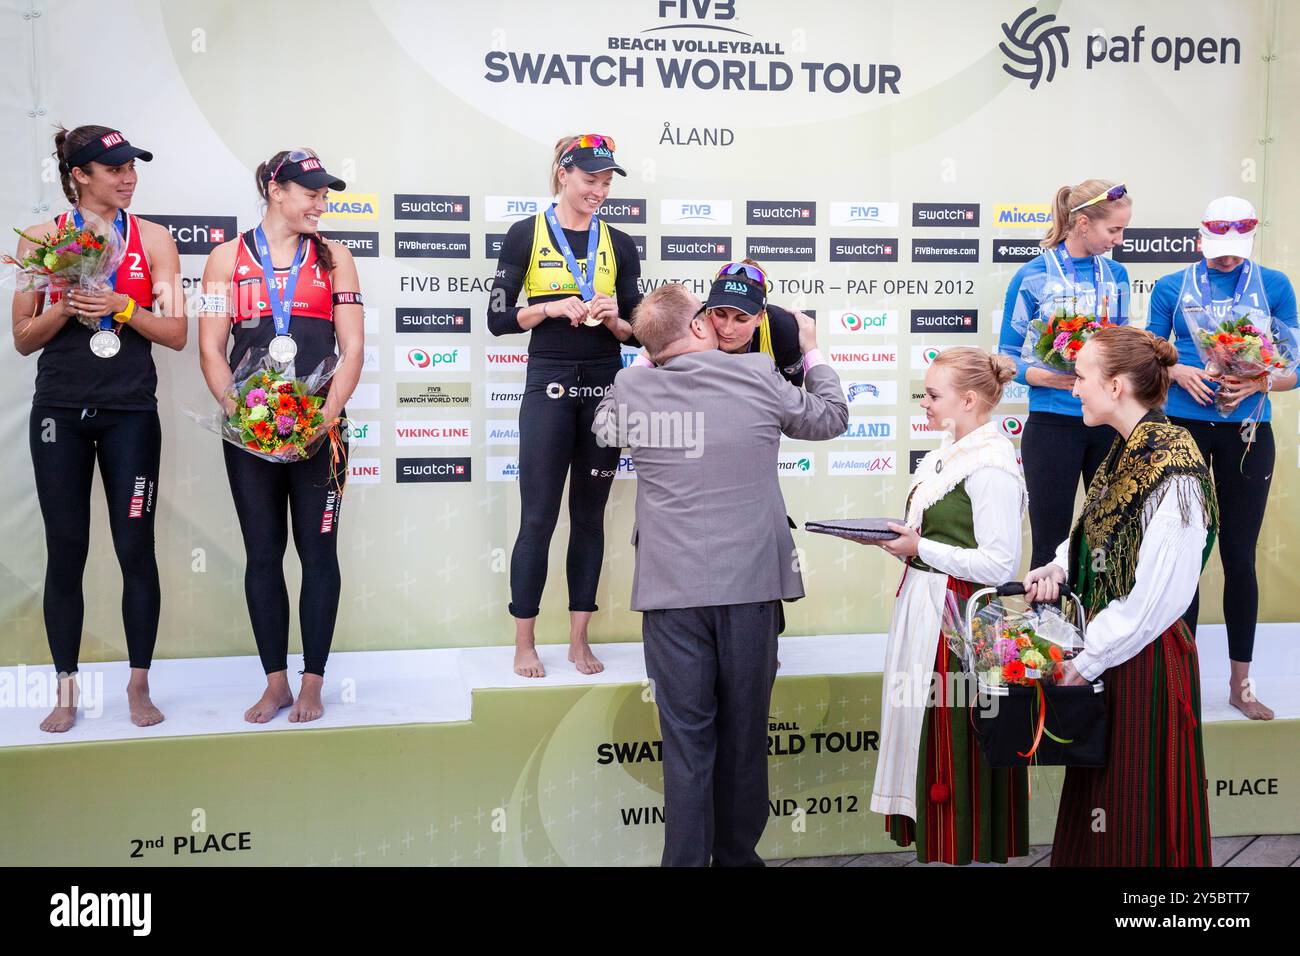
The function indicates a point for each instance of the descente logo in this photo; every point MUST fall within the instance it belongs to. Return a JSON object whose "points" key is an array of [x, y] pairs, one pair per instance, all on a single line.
{"points": [[74, 908]]}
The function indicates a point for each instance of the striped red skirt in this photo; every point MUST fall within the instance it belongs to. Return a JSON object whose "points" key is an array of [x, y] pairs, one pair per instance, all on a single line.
{"points": [[966, 810], [1149, 806]]}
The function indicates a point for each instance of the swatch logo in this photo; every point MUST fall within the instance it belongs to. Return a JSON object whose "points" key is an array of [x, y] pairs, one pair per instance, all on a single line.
{"points": [[782, 213], [432, 469], [963, 214], [945, 320], [622, 210], [690, 248], [1158, 245], [864, 250]]}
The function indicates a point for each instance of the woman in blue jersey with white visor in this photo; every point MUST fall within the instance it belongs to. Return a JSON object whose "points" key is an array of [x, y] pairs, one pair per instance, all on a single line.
{"points": [[1057, 448], [1237, 446]]}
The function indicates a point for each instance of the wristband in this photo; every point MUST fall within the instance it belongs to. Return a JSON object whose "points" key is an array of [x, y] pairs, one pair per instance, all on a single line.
{"points": [[125, 315], [348, 298]]}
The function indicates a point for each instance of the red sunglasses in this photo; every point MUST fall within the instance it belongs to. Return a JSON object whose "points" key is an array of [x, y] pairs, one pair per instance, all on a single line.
{"points": [[1221, 227]]}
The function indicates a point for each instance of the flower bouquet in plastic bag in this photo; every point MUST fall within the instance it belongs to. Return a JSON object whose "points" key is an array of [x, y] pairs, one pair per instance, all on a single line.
{"points": [[1248, 344], [1055, 337], [277, 416], [69, 258], [1015, 650]]}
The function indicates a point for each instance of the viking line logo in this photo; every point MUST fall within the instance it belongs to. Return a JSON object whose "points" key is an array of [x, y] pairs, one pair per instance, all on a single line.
{"points": [[419, 358], [1031, 47]]}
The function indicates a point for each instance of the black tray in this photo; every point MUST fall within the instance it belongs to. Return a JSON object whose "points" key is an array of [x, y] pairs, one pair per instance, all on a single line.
{"points": [[856, 529]]}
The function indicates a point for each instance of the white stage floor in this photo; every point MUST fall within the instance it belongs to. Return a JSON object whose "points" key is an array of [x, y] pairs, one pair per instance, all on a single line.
{"points": [[210, 695]]}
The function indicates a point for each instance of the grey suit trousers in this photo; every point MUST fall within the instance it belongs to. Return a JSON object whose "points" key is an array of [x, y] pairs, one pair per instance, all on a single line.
{"points": [[713, 670]]}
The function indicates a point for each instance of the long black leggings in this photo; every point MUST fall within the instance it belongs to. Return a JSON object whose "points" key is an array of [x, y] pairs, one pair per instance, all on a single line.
{"points": [[66, 443], [1242, 490], [267, 494], [1057, 450], [555, 441]]}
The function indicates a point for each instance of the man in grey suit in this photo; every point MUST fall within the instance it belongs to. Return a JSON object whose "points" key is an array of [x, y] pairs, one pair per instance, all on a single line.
{"points": [[714, 557]]}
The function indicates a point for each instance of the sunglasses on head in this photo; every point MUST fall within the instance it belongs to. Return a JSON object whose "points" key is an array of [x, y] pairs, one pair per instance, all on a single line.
{"points": [[753, 273], [1110, 195], [591, 141], [1221, 227], [293, 156]]}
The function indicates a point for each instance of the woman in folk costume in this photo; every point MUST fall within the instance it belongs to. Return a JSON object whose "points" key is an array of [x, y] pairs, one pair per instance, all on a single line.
{"points": [[962, 531], [1134, 558]]}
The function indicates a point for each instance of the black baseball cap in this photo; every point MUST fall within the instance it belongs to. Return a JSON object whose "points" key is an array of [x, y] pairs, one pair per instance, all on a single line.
{"points": [[307, 171], [111, 149], [592, 153], [736, 293]]}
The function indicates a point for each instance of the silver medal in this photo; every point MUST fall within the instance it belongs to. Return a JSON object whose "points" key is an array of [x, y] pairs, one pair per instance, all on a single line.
{"points": [[591, 320], [282, 348], [105, 344]]}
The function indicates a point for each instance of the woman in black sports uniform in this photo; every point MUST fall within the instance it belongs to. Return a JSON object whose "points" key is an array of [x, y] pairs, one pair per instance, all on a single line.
{"points": [[746, 322], [578, 317], [100, 405], [320, 312]]}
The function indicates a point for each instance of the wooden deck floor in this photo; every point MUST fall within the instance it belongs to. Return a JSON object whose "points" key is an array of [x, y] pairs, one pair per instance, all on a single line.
{"points": [[1273, 850]]}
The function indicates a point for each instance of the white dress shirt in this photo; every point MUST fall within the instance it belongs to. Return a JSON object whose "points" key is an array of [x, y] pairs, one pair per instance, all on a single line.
{"points": [[1168, 568], [995, 498]]}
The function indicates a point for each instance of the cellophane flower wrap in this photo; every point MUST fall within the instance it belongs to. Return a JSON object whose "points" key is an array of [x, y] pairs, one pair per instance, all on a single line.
{"points": [[277, 415], [1247, 344], [1015, 646], [70, 258], [1056, 336]]}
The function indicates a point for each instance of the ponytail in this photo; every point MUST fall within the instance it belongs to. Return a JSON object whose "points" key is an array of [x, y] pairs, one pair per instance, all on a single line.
{"points": [[1067, 197]]}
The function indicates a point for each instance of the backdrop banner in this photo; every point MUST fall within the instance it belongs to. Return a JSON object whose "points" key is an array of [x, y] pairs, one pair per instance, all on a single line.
{"points": [[891, 164]]}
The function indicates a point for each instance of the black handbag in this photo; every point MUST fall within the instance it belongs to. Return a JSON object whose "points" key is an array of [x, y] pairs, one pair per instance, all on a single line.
{"points": [[1006, 719]]}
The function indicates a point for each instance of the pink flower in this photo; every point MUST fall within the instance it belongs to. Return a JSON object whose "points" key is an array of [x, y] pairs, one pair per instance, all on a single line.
{"points": [[255, 397], [1006, 649], [284, 424], [1061, 341]]}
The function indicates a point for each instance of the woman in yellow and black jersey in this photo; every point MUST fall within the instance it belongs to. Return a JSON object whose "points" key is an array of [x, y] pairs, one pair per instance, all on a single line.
{"points": [[578, 316], [746, 322]]}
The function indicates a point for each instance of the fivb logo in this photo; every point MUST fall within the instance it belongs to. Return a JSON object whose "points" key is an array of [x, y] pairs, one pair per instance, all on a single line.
{"points": [[695, 211], [857, 322], [1031, 47], [74, 908], [425, 360], [864, 213], [510, 208]]}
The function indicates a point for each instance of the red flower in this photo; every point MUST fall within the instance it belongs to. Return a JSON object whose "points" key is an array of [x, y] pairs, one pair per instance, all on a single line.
{"points": [[1014, 671]]}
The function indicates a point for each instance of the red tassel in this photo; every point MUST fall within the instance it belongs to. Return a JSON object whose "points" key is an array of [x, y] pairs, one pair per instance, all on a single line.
{"points": [[939, 793]]}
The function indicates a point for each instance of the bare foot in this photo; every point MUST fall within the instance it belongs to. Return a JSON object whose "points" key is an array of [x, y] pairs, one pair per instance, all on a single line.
{"points": [[1251, 707], [1241, 692], [581, 657], [271, 703], [59, 720], [64, 715], [143, 711], [527, 663], [308, 706]]}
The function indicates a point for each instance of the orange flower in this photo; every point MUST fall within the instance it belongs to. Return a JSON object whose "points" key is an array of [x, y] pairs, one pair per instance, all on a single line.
{"points": [[1023, 642], [1055, 653]]}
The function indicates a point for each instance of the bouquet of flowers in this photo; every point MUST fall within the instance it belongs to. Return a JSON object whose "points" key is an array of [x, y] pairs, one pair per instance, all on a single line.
{"points": [[1007, 647], [1055, 338], [70, 258], [277, 416], [1248, 344]]}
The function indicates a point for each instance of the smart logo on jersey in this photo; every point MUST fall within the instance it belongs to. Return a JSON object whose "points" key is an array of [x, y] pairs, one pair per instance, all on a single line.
{"points": [[352, 206]]}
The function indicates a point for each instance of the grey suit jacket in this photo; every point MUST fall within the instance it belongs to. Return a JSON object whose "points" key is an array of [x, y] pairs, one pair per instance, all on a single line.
{"points": [[704, 431]]}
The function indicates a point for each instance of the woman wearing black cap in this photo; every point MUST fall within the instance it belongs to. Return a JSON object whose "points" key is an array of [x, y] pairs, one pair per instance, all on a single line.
{"points": [[745, 321], [315, 310], [99, 404], [576, 316]]}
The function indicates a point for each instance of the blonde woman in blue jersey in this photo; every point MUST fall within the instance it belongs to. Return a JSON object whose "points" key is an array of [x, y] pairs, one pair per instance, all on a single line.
{"points": [[579, 275]]}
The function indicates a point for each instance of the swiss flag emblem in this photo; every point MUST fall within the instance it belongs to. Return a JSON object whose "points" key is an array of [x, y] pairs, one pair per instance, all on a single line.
{"points": [[243, 270], [218, 235]]}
